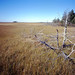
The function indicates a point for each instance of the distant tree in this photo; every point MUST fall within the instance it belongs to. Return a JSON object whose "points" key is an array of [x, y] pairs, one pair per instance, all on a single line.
{"points": [[14, 21], [56, 20], [65, 15], [70, 15]]}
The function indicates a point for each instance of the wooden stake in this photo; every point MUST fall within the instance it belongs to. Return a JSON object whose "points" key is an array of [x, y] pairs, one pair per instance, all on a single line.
{"points": [[57, 39]]}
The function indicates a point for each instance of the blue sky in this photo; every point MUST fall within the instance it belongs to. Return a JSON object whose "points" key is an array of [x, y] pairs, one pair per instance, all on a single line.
{"points": [[33, 10]]}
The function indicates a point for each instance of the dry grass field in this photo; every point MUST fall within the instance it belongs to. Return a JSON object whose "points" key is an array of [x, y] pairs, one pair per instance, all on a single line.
{"points": [[22, 54]]}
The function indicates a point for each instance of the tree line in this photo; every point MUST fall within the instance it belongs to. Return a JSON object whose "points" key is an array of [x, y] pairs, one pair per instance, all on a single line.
{"points": [[70, 18]]}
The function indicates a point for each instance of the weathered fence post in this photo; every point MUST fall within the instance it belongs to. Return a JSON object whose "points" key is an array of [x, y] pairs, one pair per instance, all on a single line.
{"points": [[57, 38]]}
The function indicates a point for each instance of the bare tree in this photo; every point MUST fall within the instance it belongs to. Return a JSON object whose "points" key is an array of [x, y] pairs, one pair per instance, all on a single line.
{"points": [[59, 50], [65, 30]]}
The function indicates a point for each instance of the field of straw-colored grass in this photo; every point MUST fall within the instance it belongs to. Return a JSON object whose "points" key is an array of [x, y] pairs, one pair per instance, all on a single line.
{"points": [[22, 54]]}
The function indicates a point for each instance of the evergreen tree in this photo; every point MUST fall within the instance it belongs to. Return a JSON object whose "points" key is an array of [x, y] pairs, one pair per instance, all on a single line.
{"points": [[73, 21], [71, 16], [56, 20]]}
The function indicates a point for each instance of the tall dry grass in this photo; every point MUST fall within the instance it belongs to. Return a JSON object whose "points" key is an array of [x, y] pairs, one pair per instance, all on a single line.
{"points": [[22, 54]]}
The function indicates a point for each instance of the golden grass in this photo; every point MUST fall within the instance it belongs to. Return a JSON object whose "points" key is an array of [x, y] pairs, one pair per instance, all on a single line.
{"points": [[20, 55]]}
